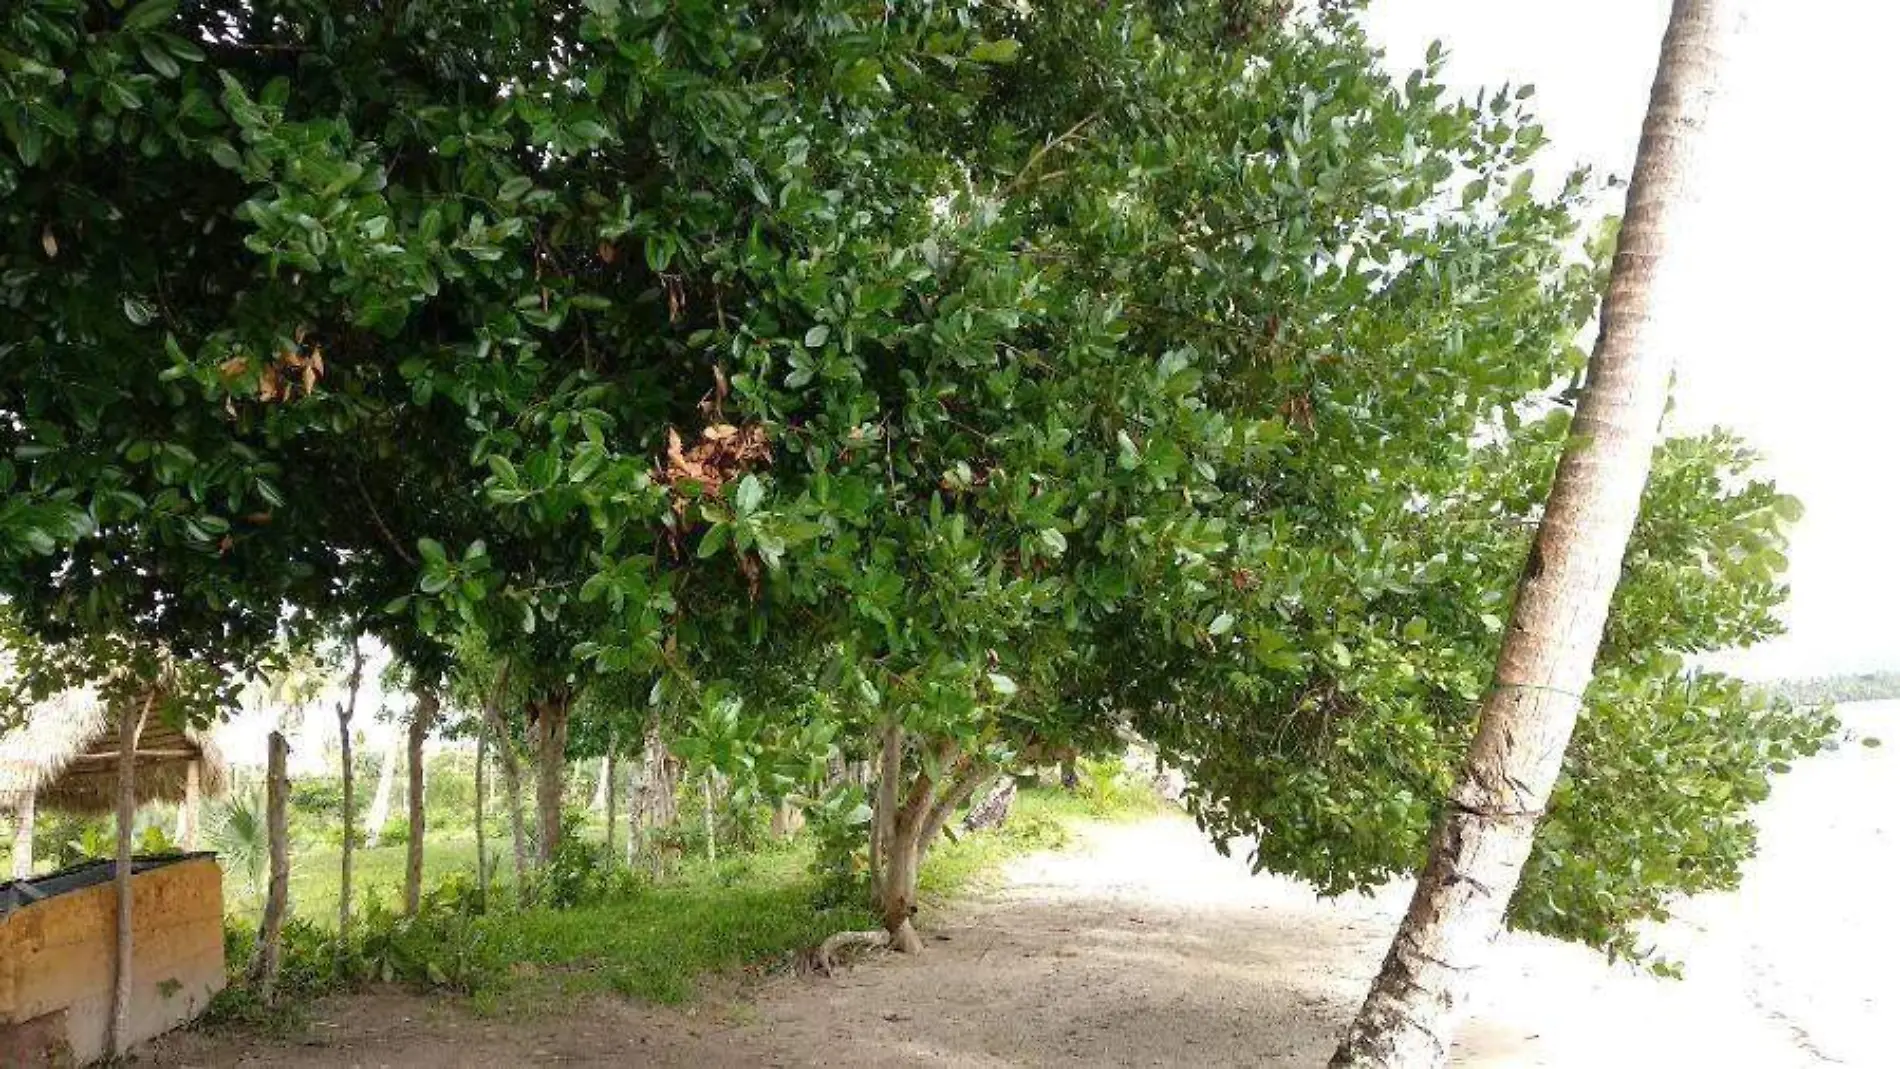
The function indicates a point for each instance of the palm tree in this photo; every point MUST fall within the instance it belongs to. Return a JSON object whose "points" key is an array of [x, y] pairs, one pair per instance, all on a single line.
{"points": [[1484, 834]]}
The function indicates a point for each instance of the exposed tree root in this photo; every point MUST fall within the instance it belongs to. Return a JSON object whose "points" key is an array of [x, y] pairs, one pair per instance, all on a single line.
{"points": [[825, 958]]}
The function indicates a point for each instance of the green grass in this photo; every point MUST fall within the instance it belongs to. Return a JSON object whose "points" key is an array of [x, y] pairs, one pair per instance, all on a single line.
{"points": [[655, 942], [750, 911]]}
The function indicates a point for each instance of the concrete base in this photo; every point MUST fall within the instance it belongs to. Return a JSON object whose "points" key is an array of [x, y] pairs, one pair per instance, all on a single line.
{"points": [[56, 963]]}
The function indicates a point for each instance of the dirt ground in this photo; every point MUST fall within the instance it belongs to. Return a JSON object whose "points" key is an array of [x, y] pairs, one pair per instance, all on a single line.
{"points": [[1145, 947]]}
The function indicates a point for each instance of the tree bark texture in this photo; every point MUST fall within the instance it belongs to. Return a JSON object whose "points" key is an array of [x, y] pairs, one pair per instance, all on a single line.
{"points": [[994, 809], [551, 775], [712, 817], [481, 814], [510, 762], [906, 831], [421, 722], [270, 931], [131, 724], [1478, 849]]}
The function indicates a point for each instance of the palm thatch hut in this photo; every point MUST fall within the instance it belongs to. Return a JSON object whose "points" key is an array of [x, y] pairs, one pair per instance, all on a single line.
{"points": [[67, 961], [66, 757]]}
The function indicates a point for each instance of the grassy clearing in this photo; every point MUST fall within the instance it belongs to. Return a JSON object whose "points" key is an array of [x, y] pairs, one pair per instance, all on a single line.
{"points": [[750, 911]]}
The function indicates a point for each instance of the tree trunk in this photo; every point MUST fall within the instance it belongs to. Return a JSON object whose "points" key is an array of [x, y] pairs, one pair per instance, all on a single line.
{"points": [[420, 723], [607, 775], [385, 787], [1070, 781], [787, 819], [706, 787], [23, 837], [131, 724], [270, 932], [635, 807], [481, 816], [599, 802], [1484, 835], [188, 810], [905, 833], [994, 809], [551, 775], [345, 712], [510, 776]]}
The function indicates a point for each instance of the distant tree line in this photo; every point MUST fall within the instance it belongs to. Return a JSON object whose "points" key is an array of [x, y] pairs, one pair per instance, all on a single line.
{"points": [[1855, 687]]}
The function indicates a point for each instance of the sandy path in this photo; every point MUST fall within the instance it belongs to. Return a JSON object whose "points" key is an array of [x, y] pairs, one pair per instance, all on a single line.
{"points": [[1145, 947]]}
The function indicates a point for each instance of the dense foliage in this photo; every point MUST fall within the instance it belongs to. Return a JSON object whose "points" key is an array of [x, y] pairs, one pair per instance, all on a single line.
{"points": [[966, 379]]}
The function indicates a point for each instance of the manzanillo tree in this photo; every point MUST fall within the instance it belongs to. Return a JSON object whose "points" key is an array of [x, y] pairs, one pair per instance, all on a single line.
{"points": [[935, 385]]}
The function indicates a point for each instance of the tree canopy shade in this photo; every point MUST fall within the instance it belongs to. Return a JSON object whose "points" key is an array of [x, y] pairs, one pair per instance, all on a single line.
{"points": [[959, 380]]}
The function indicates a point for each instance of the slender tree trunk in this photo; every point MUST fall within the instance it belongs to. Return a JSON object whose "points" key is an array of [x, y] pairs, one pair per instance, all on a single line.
{"points": [[510, 775], [481, 815], [1485, 833], [884, 812], [131, 724], [346, 712], [420, 723], [23, 837], [607, 777], [994, 809], [270, 932], [598, 803], [907, 831], [635, 807], [706, 788], [186, 833], [551, 775], [385, 788], [787, 819]]}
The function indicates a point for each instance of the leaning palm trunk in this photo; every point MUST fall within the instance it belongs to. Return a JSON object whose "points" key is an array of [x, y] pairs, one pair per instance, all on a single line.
{"points": [[1484, 835]]}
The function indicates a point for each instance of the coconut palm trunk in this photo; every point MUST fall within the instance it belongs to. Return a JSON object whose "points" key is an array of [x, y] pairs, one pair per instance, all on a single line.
{"points": [[1484, 835]]}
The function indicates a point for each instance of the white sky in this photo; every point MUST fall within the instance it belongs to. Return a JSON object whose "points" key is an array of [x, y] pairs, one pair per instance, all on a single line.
{"points": [[1786, 276]]}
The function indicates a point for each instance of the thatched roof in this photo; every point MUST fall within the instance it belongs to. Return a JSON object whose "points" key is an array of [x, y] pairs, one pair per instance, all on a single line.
{"points": [[67, 756]]}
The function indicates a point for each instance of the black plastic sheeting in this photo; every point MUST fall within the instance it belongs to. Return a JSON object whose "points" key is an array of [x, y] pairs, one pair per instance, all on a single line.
{"points": [[17, 893]]}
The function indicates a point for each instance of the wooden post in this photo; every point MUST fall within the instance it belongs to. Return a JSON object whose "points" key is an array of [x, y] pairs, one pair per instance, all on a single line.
{"points": [[712, 849], [270, 933], [420, 721], [345, 712], [613, 768], [23, 837], [188, 809], [131, 723]]}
